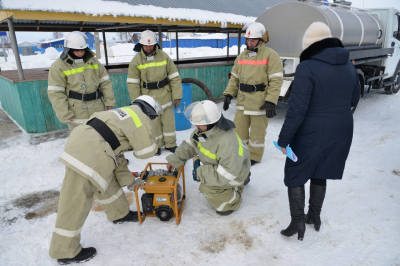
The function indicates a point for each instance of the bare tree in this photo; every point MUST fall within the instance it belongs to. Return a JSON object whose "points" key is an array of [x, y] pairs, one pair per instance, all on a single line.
{"points": [[58, 35], [125, 36], [42, 40]]}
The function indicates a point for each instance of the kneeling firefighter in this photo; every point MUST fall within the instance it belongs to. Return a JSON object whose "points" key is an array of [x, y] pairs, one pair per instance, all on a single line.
{"points": [[225, 158], [95, 167]]}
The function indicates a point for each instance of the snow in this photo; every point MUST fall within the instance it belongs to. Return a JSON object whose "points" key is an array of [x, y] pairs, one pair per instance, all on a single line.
{"points": [[116, 54], [360, 215], [103, 8]]}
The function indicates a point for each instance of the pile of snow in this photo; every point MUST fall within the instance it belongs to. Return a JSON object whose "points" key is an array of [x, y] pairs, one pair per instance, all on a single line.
{"points": [[52, 53]]}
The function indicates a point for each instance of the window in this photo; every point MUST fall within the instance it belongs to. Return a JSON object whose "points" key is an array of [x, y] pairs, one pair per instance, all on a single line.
{"points": [[59, 46], [396, 22]]}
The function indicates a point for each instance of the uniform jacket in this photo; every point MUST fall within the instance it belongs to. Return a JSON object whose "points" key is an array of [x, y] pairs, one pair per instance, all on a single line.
{"points": [[82, 77], [87, 153], [319, 122], [263, 66], [152, 69], [224, 156]]}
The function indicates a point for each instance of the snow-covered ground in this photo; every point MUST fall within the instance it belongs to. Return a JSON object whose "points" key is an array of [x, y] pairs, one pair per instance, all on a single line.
{"points": [[360, 216], [116, 54]]}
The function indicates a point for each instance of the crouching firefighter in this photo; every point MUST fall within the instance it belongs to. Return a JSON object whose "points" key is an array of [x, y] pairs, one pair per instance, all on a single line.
{"points": [[225, 158], [95, 167]]}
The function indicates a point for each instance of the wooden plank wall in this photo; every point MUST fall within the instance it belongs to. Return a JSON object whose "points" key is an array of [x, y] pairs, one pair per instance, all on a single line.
{"points": [[28, 103]]}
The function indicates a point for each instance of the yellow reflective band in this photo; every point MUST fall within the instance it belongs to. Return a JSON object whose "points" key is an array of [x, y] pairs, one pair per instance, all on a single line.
{"points": [[240, 145], [79, 70], [134, 116], [155, 64], [207, 152]]}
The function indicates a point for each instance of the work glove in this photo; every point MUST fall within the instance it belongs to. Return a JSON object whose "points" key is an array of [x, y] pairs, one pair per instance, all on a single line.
{"points": [[135, 183], [177, 102], [227, 102], [196, 164], [269, 109]]}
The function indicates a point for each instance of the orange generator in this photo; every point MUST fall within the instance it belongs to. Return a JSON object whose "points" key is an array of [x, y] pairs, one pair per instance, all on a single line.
{"points": [[163, 196]]}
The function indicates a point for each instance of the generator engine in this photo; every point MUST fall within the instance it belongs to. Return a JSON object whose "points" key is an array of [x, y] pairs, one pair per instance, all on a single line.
{"points": [[159, 198]]}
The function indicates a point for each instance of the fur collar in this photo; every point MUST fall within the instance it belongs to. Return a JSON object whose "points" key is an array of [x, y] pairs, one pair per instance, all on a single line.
{"points": [[317, 47]]}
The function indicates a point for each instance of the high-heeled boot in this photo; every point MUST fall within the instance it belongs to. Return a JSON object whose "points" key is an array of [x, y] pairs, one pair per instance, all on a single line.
{"points": [[296, 203], [317, 196]]}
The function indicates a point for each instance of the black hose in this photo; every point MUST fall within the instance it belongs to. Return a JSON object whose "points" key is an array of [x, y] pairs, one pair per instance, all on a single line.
{"points": [[200, 84]]}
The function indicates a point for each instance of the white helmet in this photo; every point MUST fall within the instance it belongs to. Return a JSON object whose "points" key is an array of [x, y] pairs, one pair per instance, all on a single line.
{"points": [[255, 30], [202, 113], [76, 40], [148, 38], [152, 102]]}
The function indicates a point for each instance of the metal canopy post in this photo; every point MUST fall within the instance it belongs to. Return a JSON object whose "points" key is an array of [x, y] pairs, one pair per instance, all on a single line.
{"points": [[4, 51], [176, 41], [227, 50], [159, 35], [14, 46], [105, 47], [239, 39]]}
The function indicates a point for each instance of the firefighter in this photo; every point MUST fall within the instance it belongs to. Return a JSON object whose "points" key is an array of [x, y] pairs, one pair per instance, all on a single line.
{"points": [[152, 72], [225, 158], [95, 167], [78, 83], [257, 77]]}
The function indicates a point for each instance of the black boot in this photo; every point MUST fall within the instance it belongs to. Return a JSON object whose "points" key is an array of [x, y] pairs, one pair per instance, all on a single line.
{"points": [[84, 255], [253, 162], [247, 180], [130, 217], [317, 196], [172, 149], [296, 203], [225, 213], [158, 153]]}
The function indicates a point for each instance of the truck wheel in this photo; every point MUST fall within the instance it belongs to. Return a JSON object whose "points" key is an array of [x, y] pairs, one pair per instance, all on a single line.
{"points": [[396, 86], [361, 82]]}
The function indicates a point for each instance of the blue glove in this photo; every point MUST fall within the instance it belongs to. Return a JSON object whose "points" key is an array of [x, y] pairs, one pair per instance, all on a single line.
{"points": [[196, 165]]}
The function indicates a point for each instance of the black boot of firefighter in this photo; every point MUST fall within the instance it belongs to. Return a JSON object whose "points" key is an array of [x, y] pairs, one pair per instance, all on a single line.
{"points": [[84, 255], [158, 153], [317, 196], [247, 180], [172, 149], [296, 203], [132, 216]]}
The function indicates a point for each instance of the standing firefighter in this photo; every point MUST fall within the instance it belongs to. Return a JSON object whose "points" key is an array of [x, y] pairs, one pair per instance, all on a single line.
{"points": [[95, 168], [257, 77], [225, 158], [152, 72], [78, 82]]}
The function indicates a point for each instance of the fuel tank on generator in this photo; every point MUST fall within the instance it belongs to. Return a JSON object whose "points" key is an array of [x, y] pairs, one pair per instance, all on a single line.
{"points": [[287, 22]]}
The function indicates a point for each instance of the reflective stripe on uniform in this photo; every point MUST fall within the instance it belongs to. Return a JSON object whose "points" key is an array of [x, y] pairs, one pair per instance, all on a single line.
{"points": [[235, 75], [166, 105], [253, 62], [207, 152], [240, 145], [255, 145], [67, 233], [169, 134], [158, 137], [240, 107], [280, 74], [129, 80], [254, 112], [55, 88], [221, 170], [112, 198], [235, 183], [86, 169], [107, 77], [176, 74], [222, 206], [79, 70], [134, 116], [77, 121], [146, 150], [154, 64]]}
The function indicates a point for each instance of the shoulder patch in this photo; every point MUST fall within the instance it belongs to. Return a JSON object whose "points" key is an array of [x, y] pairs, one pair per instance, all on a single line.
{"points": [[122, 114]]}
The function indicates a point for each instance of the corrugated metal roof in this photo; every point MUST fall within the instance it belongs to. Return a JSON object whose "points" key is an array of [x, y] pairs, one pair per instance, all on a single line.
{"points": [[252, 8]]}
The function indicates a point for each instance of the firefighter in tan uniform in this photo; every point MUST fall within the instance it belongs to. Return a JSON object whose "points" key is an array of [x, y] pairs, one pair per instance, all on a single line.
{"points": [[257, 77], [152, 72], [78, 84], [225, 158], [95, 168]]}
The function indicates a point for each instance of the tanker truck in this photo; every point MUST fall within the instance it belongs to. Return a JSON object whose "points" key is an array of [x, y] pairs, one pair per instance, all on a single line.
{"points": [[370, 35]]}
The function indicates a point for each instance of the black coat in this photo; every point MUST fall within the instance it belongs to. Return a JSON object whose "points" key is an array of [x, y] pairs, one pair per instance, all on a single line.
{"points": [[319, 122]]}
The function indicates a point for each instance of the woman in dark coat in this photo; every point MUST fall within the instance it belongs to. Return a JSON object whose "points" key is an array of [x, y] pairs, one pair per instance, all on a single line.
{"points": [[319, 123]]}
